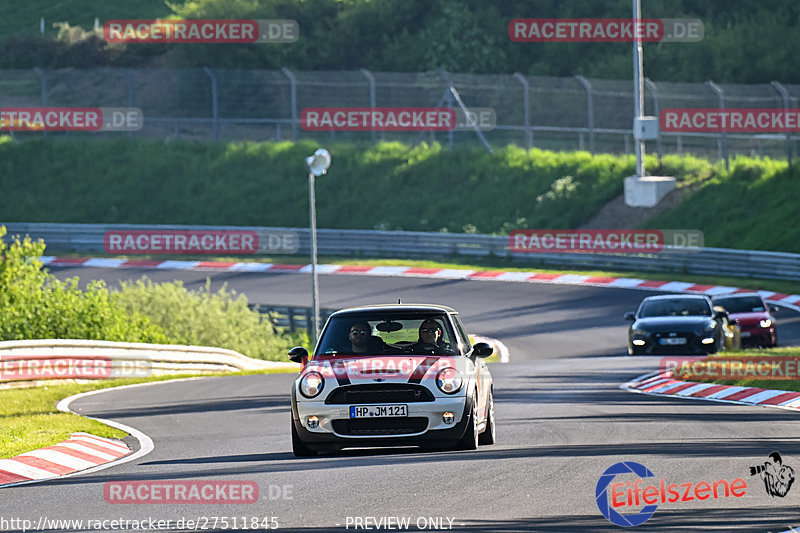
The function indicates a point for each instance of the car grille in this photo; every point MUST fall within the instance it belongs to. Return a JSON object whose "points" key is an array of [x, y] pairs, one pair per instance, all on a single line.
{"points": [[380, 426], [380, 393]]}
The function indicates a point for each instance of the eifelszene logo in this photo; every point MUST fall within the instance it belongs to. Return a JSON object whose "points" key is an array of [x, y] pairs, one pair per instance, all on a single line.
{"points": [[778, 477], [627, 495]]}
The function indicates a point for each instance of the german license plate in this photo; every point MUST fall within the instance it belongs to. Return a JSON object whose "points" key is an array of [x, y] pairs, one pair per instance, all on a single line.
{"points": [[367, 411], [672, 341]]}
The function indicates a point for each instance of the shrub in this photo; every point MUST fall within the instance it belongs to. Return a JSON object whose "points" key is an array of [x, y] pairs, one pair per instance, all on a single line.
{"points": [[205, 318], [34, 304]]}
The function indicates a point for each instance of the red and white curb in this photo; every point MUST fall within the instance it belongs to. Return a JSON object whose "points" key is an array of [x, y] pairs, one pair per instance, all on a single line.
{"points": [[79, 452], [11, 475], [787, 300], [662, 383]]}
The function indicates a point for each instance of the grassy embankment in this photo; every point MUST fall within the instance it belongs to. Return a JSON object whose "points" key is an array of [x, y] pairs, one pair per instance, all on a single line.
{"points": [[748, 373], [388, 186]]}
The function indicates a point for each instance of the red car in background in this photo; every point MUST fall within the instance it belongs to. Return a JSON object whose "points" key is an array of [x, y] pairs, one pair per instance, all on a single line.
{"points": [[754, 317]]}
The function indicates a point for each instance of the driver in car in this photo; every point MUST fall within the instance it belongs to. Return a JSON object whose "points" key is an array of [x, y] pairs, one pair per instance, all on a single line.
{"points": [[362, 340], [430, 339]]}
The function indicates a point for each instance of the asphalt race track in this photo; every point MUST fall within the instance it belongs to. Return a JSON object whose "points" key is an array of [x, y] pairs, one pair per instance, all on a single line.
{"points": [[562, 421]]}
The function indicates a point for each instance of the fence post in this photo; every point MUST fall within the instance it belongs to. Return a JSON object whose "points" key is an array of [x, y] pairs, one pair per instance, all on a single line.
{"points": [[656, 112], [722, 139], [372, 102], [292, 98], [785, 97], [39, 72], [214, 108], [131, 94], [526, 106], [589, 110], [446, 77]]}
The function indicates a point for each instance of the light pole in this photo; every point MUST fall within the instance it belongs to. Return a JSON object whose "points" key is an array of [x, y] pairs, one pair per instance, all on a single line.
{"points": [[318, 164], [638, 86]]}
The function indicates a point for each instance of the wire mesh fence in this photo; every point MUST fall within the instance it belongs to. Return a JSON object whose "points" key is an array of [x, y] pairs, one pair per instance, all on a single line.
{"points": [[570, 113]]}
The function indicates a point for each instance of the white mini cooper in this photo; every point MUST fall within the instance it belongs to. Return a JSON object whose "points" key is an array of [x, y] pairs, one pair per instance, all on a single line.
{"points": [[392, 375]]}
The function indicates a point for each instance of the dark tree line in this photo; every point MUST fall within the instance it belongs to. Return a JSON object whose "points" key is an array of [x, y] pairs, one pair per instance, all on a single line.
{"points": [[746, 41]]}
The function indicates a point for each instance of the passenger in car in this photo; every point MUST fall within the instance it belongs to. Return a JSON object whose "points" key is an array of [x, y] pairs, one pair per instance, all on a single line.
{"points": [[430, 340]]}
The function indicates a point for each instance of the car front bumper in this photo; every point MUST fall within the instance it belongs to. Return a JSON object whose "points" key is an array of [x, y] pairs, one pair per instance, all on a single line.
{"points": [[758, 336], [693, 346], [423, 425]]}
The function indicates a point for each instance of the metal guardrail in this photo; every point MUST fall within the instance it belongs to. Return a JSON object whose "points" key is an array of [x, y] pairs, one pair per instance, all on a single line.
{"points": [[88, 238], [291, 318]]}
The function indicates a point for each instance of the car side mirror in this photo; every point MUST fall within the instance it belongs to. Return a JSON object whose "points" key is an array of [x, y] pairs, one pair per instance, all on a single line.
{"points": [[630, 315], [298, 354], [482, 349], [732, 321]]}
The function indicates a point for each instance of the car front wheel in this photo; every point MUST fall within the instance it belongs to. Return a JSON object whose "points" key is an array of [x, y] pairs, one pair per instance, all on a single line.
{"points": [[488, 436], [299, 447], [470, 439]]}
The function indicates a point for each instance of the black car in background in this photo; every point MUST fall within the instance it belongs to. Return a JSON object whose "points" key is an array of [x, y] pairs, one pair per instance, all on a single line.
{"points": [[679, 324]]}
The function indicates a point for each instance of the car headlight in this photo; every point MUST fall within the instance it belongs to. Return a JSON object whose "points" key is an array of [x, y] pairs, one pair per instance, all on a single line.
{"points": [[449, 380], [312, 384], [765, 323]]}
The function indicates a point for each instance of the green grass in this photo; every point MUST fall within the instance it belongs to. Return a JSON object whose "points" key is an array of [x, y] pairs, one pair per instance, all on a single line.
{"points": [[745, 208], [388, 186], [30, 419], [777, 384]]}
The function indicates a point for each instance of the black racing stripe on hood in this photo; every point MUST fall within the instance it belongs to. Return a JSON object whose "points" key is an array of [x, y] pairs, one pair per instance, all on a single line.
{"points": [[422, 369], [340, 371]]}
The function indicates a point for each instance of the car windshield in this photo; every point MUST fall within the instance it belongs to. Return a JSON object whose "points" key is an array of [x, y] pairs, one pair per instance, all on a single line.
{"points": [[388, 334], [675, 307], [745, 304]]}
